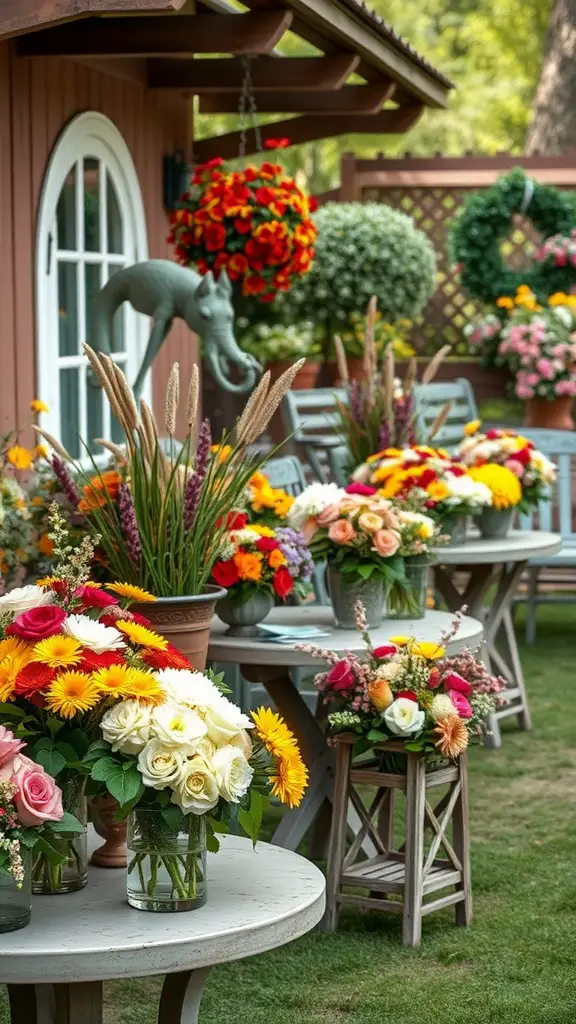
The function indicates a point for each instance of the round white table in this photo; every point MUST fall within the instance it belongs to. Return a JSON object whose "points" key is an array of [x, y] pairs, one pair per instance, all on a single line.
{"points": [[499, 564], [54, 968], [269, 664]]}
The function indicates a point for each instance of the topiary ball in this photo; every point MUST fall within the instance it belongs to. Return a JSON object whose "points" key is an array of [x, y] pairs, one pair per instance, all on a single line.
{"points": [[364, 249]]}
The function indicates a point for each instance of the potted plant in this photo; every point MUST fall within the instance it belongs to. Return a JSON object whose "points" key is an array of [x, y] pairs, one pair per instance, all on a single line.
{"points": [[276, 346], [160, 519], [259, 564]]}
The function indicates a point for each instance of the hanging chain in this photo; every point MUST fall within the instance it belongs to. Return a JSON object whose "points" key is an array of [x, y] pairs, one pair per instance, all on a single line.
{"points": [[247, 111]]}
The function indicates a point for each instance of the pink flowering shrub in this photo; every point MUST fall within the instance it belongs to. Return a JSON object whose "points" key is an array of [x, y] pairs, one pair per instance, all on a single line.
{"points": [[540, 349], [558, 251]]}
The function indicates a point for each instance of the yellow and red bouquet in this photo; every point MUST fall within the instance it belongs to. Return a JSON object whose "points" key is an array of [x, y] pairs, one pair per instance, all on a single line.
{"points": [[254, 223], [257, 557]]}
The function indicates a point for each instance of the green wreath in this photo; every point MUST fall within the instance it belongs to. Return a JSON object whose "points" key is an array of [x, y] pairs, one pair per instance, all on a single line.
{"points": [[485, 221]]}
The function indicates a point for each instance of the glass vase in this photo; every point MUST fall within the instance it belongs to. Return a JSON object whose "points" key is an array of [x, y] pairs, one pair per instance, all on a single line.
{"points": [[166, 866], [71, 873], [16, 898], [346, 589], [409, 601]]}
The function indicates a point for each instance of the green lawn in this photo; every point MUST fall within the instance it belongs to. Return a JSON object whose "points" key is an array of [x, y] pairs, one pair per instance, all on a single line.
{"points": [[517, 964]]}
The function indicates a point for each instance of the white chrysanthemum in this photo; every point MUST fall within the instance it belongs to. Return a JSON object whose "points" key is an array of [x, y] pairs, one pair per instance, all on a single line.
{"points": [[244, 536], [313, 500], [22, 599], [465, 490], [389, 671], [543, 466], [185, 687], [177, 726], [441, 707], [92, 634]]}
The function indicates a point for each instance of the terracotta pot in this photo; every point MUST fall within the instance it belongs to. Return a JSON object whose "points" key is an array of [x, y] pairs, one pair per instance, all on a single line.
{"points": [[185, 621], [555, 415], [113, 853], [355, 369], [304, 380]]}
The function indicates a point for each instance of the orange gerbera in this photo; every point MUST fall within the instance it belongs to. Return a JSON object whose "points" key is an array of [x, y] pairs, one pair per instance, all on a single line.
{"points": [[249, 566], [452, 736], [99, 489]]}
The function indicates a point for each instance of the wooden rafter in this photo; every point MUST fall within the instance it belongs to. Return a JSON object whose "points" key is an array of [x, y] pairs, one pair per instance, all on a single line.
{"points": [[352, 99], [214, 75], [254, 33], [311, 128], [18, 16]]}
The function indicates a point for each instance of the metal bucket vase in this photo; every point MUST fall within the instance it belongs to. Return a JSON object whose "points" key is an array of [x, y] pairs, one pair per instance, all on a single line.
{"points": [[495, 523], [185, 621], [242, 619], [346, 589], [455, 528]]}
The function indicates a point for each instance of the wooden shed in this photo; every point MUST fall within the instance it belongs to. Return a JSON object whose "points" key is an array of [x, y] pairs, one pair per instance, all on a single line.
{"points": [[93, 95]]}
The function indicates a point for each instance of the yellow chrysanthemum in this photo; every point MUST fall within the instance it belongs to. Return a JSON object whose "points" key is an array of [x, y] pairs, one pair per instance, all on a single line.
{"points": [[144, 686], [290, 780], [502, 482], [58, 651], [37, 405], [47, 581], [249, 566], [262, 531], [283, 503], [71, 693], [472, 427], [20, 457], [130, 592], [258, 480], [388, 453], [113, 679], [222, 451], [273, 732], [10, 666], [141, 635], [14, 645], [505, 302], [438, 490]]}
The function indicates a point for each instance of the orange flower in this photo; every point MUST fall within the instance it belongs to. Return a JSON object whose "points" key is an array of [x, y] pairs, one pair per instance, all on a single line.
{"points": [[276, 559], [45, 545], [237, 266], [249, 566], [271, 231], [380, 694], [452, 736], [99, 488], [254, 284]]}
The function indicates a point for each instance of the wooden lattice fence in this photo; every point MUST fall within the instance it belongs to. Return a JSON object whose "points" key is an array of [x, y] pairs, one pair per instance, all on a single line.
{"points": [[432, 192]]}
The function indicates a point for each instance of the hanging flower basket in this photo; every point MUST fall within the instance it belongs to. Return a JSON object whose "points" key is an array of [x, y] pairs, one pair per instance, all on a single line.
{"points": [[254, 222]]}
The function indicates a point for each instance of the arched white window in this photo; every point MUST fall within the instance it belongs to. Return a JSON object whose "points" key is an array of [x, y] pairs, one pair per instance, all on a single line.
{"points": [[91, 223]]}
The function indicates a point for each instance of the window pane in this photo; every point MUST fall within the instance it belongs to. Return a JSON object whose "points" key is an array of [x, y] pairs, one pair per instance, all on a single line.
{"points": [[67, 309], [66, 213], [91, 205], [94, 414], [69, 413], [91, 289], [113, 218], [118, 340]]}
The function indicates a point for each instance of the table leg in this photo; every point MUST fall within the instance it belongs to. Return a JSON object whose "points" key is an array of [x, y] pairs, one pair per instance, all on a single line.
{"points": [[181, 996], [31, 1004], [80, 1003]]}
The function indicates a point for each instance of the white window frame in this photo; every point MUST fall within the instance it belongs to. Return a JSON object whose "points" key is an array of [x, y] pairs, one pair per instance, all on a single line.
{"points": [[89, 135]]}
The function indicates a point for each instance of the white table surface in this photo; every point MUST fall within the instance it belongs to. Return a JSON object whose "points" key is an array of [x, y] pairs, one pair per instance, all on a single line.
{"points": [[253, 651], [257, 900], [518, 546]]}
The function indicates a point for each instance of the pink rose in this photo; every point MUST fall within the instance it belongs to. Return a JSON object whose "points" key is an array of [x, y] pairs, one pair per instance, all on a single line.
{"points": [[358, 488], [385, 651], [328, 515], [9, 746], [38, 623], [454, 681], [515, 467], [94, 597], [386, 543], [342, 532], [341, 676], [461, 704], [38, 798]]}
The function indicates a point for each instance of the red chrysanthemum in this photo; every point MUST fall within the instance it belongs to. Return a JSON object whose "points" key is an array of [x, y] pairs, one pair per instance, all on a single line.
{"points": [[92, 660], [33, 678], [170, 658]]}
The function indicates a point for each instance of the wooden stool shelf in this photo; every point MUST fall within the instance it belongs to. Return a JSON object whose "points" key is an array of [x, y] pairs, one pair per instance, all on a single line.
{"points": [[413, 873]]}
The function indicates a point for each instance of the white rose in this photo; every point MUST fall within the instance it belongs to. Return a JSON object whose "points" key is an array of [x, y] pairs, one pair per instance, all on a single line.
{"points": [[126, 726], [22, 599], [93, 634], [233, 773], [362, 473], [243, 742], [185, 687], [313, 500], [177, 726], [197, 790], [161, 766], [224, 721], [403, 717], [206, 749], [441, 707]]}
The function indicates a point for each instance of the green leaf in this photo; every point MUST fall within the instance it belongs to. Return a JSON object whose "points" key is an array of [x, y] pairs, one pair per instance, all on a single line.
{"points": [[256, 808], [212, 844], [67, 752], [44, 743], [78, 739], [219, 826], [103, 768], [54, 726], [51, 760], [28, 838], [54, 853], [11, 711], [174, 817], [365, 570], [68, 823], [123, 785], [414, 747], [376, 736]]}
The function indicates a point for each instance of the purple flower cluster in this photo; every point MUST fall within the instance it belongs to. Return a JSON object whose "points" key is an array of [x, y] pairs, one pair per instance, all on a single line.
{"points": [[129, 523], [296, 552], [66, 482], [196, 478]]}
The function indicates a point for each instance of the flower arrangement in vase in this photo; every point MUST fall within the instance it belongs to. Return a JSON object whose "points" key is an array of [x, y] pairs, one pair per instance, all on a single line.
{"points": [[192, 764], [356, 534], [518, 475], [33, 825], [409, 690], [160, 519], [257, 565]]}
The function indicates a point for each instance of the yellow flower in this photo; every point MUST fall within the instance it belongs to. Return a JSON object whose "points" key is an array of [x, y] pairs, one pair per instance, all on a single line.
{"points": [[72, 693], [385, 453], [12, 663], [524, 289], [290, 780], [47, 581], [380, 694], [370, 522], [273, 732], [428, 650], [472, 427], [258, 480], [37, 405], [21, 458], [557, 299], [58, 651], [502, 482], [130, 592], [144, 686], [505, 302], [438, 490], [141, 635], [276, 559], [14, 645], [40, 452], [249, 566], [283, 504], [113, 680], [223, 451], [262, 531]]}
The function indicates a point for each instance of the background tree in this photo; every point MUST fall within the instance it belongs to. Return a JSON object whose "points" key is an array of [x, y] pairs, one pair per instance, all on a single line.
{"points": [[553, 127]]}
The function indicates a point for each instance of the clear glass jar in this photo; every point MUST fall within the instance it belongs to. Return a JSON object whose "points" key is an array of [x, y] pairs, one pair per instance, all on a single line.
{"points": [[71, 873], [15, 899], [409, 602], [166, 866]]}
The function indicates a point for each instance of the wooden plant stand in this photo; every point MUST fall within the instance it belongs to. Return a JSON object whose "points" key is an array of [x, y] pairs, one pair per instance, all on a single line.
{"points": [[412, 873]]}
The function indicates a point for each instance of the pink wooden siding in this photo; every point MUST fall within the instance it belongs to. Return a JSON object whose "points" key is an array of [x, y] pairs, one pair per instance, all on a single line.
{"points": [[37, 99]]}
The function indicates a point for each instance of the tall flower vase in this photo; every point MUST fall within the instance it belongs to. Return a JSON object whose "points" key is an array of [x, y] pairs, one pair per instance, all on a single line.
{"points": [[243, 618], [166, 865], [185, 621], [16, 897], [346, 589], [409, 601], [49, 877]]}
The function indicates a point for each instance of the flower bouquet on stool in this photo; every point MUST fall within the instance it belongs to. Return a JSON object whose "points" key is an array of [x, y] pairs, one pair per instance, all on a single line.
{"points": [[185, 764], [357, 535], [258, 565]]}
